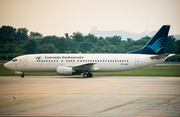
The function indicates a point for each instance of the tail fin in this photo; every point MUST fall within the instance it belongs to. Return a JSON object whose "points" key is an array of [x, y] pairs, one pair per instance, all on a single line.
{"points": [[157, 44]]}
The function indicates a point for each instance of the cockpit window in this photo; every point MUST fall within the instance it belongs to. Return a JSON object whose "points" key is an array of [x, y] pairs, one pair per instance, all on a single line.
{"points": [[14, 60]]}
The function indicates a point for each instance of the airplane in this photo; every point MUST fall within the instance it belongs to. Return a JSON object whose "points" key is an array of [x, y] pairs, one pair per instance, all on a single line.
{"points": [[76, 64]]}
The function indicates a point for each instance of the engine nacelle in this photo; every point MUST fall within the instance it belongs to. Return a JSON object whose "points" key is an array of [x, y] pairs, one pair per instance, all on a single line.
{"points": [[64, 70]]}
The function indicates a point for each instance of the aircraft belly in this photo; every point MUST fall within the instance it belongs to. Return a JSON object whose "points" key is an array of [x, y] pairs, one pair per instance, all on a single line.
{"points": [[113, 67], [39, 69]]}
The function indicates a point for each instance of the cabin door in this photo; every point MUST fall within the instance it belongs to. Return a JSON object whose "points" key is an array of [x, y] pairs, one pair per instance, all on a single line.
{"points": [[137, 61], [25, 61]]}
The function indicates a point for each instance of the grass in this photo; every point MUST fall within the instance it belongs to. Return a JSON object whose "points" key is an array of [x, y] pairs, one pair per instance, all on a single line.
{"points": [[173, 71]]}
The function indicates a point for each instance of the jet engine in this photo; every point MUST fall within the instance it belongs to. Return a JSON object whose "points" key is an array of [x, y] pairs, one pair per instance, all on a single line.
{"points": [[64, 70]]}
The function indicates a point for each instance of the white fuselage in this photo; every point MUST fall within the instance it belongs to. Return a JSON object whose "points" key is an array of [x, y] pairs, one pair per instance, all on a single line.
{"points": [[103, 62]]}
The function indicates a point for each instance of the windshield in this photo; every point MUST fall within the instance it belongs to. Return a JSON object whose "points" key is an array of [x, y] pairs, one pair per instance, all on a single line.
{"points": [[14, 60]]}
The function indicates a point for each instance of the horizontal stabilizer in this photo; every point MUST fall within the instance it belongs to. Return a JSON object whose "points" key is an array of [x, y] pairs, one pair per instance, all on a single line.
{"points": [[166, 55]]}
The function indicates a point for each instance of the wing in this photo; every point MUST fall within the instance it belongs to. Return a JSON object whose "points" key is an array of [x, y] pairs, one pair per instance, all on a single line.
{"points": [[87, 67]]}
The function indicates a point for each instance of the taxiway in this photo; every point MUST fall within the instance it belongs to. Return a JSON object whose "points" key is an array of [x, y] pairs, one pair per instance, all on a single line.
{"points": [[97, 96]]}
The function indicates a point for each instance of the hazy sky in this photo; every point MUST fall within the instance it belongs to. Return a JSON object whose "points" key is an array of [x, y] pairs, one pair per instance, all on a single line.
{"points": [[56, 17]]}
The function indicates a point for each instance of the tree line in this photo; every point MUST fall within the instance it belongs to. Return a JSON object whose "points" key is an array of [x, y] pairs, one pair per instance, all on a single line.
{"points": [[19, 41]]}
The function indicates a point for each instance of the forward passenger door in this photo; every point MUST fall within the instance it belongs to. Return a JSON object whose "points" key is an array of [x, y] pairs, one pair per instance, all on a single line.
{"points": [[25, 61]]}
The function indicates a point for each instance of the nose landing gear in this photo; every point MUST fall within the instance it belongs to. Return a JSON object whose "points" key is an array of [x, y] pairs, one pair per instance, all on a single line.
{"points": [[19, 72], [22, 75]]}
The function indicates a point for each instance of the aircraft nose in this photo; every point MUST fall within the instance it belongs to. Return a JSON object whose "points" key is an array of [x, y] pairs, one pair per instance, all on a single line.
{"points": [[7, 65]]}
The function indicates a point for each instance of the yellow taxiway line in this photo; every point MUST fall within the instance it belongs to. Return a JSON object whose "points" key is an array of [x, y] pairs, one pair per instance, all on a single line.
{"points": [[56, 92]]}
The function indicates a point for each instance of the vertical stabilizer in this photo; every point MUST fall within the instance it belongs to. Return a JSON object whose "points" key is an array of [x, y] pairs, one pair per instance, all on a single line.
{"points": [[156, 44]]}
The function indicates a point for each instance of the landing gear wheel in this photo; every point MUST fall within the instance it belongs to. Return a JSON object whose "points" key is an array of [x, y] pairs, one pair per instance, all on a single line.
{"points": [[89, 74], [85, 75], [22, 75]]}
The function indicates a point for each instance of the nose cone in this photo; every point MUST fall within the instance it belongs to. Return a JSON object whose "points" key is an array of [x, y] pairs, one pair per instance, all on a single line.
{"points": [[8, 65]]}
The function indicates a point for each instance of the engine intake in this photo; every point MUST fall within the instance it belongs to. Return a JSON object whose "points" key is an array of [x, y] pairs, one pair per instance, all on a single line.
{"points": [[64, 70]]}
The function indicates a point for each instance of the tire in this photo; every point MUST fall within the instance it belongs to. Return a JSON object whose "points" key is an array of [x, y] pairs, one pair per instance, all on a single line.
{"points": [[22, 75], [85, 75], [89, 74]]}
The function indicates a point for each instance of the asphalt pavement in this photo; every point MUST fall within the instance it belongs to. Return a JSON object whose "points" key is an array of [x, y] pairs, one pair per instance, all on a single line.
{"points": [[97, 96]]}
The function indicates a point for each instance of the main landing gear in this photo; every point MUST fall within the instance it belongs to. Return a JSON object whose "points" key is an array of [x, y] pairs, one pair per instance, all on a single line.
{"points": [[85, 75]]}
